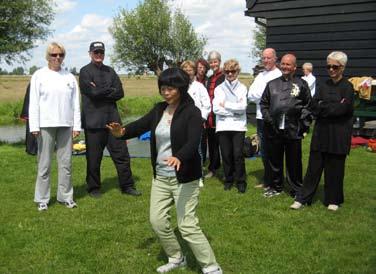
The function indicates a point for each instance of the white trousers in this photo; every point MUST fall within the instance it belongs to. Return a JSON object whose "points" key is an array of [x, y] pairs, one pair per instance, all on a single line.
{"points": [[47, 139]]}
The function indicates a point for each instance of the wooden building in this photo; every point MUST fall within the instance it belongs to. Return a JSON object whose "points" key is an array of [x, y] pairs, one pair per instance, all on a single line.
{"points": [[311, 29]]}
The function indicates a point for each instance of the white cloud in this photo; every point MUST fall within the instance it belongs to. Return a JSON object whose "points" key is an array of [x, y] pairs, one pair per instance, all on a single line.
{"points": [[225, 26], [64, 5]]}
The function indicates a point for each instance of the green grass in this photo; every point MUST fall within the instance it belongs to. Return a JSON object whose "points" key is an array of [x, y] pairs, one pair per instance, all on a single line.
{"points": [[249, 233]]}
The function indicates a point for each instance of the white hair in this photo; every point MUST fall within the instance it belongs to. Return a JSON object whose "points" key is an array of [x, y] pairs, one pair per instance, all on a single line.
{"points": [[214, 55], [338, 56]]}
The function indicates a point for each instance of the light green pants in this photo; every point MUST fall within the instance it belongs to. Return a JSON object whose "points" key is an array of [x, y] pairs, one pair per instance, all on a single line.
{"points": [[165, 192]]}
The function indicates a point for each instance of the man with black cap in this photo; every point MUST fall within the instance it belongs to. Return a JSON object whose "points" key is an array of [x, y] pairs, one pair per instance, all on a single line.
{"points": [[100, 89]]}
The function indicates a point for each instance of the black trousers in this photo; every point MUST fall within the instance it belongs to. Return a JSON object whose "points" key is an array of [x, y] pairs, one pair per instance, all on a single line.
{"points": [[204, 146], [333, 166], [214, 156], [231, 144], [277, 148], [263, 152], [96, 140], [30, 141]]}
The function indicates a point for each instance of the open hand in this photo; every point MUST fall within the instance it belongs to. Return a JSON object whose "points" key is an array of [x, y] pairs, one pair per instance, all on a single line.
{"points": [[116, 129], [173, 161]]}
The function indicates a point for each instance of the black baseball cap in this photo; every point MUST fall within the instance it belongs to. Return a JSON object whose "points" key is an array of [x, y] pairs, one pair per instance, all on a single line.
{"points": [[96, 45]]}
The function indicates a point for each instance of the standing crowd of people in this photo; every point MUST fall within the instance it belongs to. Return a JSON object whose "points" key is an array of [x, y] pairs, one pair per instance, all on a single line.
{"points": [[197, 114]]}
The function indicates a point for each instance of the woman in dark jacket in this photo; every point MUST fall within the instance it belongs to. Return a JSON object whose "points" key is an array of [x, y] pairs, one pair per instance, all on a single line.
{"points": [[331, 138], [175, 126]]}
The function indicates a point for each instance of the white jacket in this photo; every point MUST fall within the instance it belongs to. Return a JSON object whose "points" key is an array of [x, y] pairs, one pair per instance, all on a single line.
{"points": [[54, 100], [258, 86], [232, 116], [311, 81], [200, 95]]}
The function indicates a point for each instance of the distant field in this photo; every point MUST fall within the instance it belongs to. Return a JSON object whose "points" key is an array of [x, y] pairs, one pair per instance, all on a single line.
{"points": [[12, 88]]}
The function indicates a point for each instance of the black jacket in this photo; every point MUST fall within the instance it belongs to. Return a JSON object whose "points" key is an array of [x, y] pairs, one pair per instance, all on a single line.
{"points": [[278, 99], [332, 106], [99, 102], [186, 126]]}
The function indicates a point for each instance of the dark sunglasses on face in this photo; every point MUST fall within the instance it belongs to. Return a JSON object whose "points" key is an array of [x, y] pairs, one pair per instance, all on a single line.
{"points": [[230, 71], [334, 67], [98, 51], [57, 54]]}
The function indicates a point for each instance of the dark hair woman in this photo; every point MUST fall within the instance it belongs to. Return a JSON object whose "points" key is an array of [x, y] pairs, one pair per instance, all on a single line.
{"points": [[175, 126]]}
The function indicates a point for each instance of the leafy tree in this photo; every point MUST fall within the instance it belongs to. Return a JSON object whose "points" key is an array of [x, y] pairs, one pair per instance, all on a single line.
{"points": [[148, 35], [22, 23], [73, 71], [259, 34], [33, 69], [186, 45], [18, 71], [3, 72]]}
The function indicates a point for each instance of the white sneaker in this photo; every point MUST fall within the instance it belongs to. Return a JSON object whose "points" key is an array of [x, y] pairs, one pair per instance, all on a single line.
{"points": [[333, 207], [212, 270], [201, 182], [69, 204], [42, 206], [296, 205], [172, 264], [209, 175]]}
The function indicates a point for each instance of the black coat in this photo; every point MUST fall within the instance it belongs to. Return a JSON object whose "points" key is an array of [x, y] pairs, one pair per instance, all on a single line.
{"points": [[277, 100], [332, 106], [99, 102], [186, 126]]}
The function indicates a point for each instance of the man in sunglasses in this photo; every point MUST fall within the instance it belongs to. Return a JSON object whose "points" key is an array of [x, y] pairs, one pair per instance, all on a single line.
{"points": [[284, 107], [100, 89]]}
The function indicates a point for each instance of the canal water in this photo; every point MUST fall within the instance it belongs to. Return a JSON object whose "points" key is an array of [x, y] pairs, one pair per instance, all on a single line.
{"points": [[15, 134]]}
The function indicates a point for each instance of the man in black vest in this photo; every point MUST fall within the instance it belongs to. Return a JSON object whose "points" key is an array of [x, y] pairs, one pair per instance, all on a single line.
{"points": [[285, 109], [100, 89]]}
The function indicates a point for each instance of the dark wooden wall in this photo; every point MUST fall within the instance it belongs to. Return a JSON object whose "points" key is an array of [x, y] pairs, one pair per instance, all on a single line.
{"points": [[311, 29]]}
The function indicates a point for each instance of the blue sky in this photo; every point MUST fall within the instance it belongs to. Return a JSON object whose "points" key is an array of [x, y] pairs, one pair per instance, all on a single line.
{"points": [[78, 22]]}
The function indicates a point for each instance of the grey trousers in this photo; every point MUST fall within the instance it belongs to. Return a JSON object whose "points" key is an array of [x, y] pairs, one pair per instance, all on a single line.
{"points": [[48, 137]]}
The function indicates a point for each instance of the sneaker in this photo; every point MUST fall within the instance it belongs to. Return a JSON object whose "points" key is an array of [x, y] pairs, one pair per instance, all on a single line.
{"points": [[209, 174], [296, 205], [260, 186], [95, 194], [211, 270], [271, 193], [70, 204], [201, 182], [172, 264], [42, 206], [333, 207]]}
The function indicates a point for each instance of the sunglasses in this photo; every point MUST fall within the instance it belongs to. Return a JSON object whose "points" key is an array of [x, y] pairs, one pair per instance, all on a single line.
{"points": [[334, 67], [231, 71], [57, 54], [98, 51]]}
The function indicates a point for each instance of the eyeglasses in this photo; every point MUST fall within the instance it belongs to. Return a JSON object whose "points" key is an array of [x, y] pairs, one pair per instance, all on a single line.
{"points": [[334, 67], [231, 71], [98, 51], [57, 54]]}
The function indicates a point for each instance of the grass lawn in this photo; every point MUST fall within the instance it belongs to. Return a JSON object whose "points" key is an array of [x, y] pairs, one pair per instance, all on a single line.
{"points": [[249, 233]]}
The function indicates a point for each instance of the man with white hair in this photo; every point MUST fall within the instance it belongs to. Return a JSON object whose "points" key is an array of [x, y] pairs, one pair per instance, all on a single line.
{"points": [[309, 78], [269, 59]]}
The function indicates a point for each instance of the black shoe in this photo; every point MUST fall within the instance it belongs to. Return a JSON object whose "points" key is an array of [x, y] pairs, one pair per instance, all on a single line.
{"points": [[131, 191], [95, 194], [242, 188], [227, 186]]}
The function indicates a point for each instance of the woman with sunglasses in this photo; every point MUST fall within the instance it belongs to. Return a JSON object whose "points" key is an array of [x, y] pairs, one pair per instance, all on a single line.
{"points": [[332, 108], [54, 117], [175, 126], [229, 106]]}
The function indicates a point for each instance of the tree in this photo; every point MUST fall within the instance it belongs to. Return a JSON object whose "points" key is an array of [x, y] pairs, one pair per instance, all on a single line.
{"points": [[18, 71], [148, 36], [22, 23], [259, 34], [33, 69], [186, 45]]}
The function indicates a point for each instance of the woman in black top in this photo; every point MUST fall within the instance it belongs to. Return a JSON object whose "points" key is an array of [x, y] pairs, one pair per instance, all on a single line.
{"points": [[175, 126], [331, 138]]}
